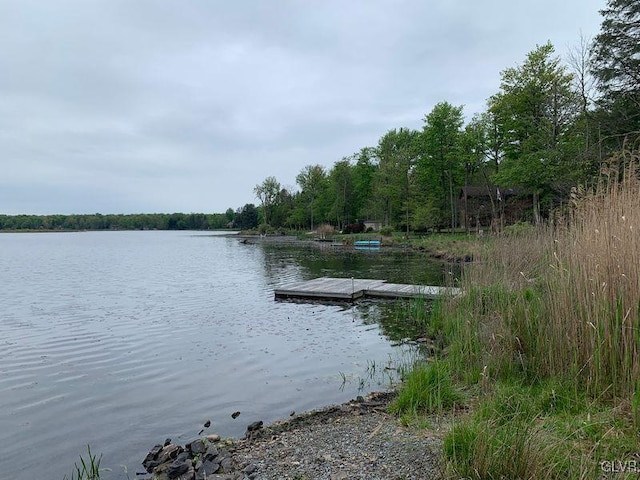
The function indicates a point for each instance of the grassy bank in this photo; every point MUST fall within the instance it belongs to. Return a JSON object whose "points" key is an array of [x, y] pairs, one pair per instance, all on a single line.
{"points": [[542, 349]]}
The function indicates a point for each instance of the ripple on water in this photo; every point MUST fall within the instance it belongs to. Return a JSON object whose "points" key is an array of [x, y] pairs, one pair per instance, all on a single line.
{"points": [[121, 339]]}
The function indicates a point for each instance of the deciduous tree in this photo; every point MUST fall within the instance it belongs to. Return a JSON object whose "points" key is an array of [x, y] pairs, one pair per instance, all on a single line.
{"points": [[397, 155], [537, 106], [267, 193], [312, 182], [440, 168]]}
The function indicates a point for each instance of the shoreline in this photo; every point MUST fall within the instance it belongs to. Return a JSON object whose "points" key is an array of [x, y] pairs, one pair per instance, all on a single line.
{"points": [[440, 254], [357, 439]]}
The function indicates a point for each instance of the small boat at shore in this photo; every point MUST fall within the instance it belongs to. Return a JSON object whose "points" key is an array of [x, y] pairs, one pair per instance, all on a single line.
{"points": [[367, 245]]}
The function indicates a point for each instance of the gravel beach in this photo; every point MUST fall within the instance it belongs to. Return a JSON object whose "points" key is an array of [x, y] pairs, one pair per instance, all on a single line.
{"points": [[356, 440]]}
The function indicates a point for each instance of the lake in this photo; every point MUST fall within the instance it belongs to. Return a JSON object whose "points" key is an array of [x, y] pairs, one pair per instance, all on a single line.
{"points": [[122, 339]]}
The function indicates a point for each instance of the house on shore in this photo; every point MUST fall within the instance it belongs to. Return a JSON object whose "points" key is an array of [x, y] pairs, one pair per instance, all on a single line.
{"points": [[373, 225], [489, 206]]}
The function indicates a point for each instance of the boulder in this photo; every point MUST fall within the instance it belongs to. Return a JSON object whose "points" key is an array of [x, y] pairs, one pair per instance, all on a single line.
{"points": [[179, 467], [196, 447]]}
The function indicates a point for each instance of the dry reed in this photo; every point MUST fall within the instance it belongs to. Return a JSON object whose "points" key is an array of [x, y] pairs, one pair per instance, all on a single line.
{"points": [[594, 323], [561, 300]]}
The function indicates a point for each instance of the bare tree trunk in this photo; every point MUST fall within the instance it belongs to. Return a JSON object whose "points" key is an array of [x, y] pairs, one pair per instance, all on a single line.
{"points": [[453, 210], [494, 211], [536, 208], [466, 203]]}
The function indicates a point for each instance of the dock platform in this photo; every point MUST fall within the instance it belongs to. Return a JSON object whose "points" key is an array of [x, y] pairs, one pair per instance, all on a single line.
{"points": [[350, 289]]}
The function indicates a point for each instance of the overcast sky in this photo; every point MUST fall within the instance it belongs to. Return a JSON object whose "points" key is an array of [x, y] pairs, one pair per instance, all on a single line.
{"points": [[144, 106]]}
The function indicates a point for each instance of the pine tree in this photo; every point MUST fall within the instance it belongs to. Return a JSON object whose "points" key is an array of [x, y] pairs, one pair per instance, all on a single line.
{"points": [[616, 66]]}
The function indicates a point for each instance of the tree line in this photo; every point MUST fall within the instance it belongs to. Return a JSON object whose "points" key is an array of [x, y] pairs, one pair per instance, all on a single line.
{"points": [[546, 131], [155, 221]]}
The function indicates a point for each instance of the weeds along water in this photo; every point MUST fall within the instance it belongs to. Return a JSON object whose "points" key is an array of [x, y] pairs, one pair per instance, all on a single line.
{"points": [[544, 345], [88, 468], [406, 324]]}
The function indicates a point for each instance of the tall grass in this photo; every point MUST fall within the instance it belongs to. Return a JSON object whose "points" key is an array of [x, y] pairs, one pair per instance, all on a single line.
{"points": [[596, 277], [559, 301], [547, 335], [427, 388]]}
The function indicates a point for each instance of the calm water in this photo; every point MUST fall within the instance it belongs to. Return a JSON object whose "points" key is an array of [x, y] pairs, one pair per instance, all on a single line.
{"points": [[122, 339]]}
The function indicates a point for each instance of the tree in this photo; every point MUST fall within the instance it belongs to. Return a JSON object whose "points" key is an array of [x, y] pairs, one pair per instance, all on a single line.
{"points": [[312, 182], [364, 172], [246, 217], [341, 193], [616, 66], [281, 208], [585, 127], [267, 193], [229, 214], [396, 154], [474, 148], [536, 107], [579, 60], [440, 168]]}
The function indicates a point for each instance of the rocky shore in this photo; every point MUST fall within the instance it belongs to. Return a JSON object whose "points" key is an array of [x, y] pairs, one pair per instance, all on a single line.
{"points": [[355, 440]]}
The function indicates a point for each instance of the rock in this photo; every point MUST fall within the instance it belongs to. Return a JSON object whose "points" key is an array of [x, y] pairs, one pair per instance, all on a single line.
{"points": [[252, 427], [205, 458], [249, 469], [188, 475], [182, 457], [209, 467], [167, 442], [235, 415], [226, 464], [169, 453], [223, 452], [178, 467], [160, 454], [211, 453], [196, 447], [207, 424], [149, 461]]}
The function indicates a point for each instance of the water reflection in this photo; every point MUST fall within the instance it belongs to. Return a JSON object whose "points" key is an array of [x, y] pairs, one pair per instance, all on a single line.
{"points": [[392, 265]]}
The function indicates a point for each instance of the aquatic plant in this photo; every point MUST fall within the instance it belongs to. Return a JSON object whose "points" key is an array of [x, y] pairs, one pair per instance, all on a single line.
{"points": [[89, 468]]}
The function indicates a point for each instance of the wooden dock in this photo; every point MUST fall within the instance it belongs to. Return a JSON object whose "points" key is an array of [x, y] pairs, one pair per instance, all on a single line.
{"points": [[350, 289]]}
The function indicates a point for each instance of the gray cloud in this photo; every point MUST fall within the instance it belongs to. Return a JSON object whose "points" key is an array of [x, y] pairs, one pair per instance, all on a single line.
{"points": [[160, 106]]}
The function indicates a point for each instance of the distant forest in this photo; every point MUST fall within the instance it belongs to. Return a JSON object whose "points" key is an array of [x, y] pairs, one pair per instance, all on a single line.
{"points": [[155, 221], [551, 130]]}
